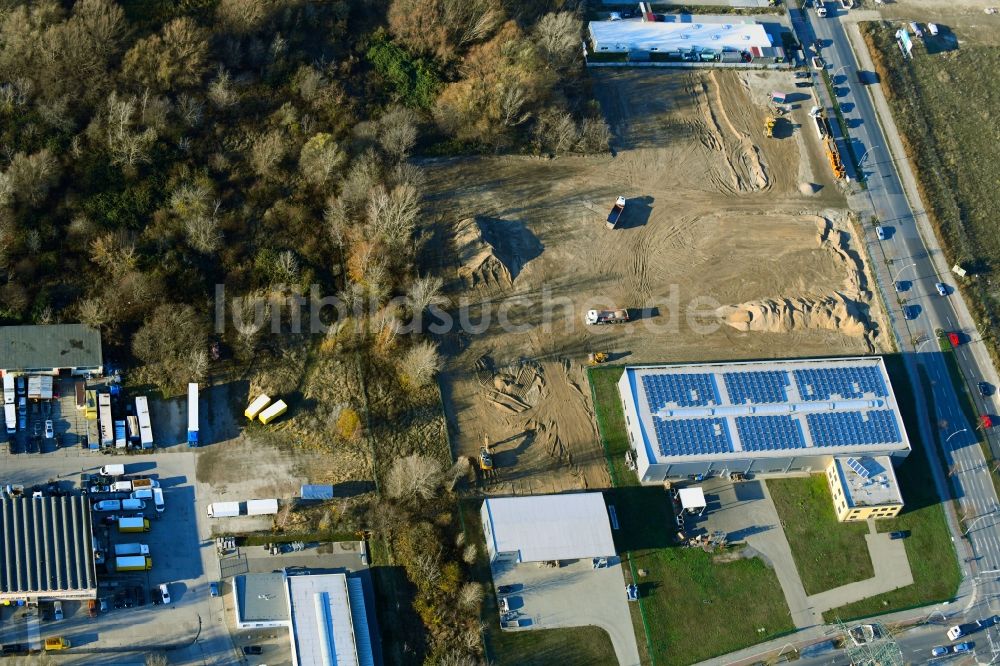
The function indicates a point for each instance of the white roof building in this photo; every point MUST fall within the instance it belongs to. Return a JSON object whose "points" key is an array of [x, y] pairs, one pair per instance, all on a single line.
{"points": [[684, 33], [324, 613], [541, 528]]}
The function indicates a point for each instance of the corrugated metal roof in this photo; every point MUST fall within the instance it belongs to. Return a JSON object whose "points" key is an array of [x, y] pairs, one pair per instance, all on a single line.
{"points": [[362, 637], [661, 36], [47, 546], [25, 348], [551, 527]]}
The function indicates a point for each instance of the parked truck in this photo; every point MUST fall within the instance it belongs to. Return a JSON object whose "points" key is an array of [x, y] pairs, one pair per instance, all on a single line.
{"points": [[820, 9], [144, 483], [145, 427], [616, 212], [122, 549], [136, 524], [9, 394], [121, 440], [113, 470], [192, 414], [10, 416], [264, 507], [223, 509], [135, 563], [600, 317], [121, 487]]}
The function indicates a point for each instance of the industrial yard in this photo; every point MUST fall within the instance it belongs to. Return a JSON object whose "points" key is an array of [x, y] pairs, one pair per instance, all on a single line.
{"points": [[751, 232]]}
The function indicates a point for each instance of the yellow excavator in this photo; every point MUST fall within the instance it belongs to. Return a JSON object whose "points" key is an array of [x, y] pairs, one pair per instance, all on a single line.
{"points": [[485, 456], [596, 358], [769, 127]]}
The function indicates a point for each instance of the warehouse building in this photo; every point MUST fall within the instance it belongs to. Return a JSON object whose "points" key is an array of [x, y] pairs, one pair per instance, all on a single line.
{"points": [[546, 528], [686, 37], [325, 615], [55, 349], [769, 417], [48, 549]]}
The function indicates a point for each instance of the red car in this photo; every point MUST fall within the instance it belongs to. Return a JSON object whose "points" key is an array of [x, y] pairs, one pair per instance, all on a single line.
{"points": [[954, 339]]}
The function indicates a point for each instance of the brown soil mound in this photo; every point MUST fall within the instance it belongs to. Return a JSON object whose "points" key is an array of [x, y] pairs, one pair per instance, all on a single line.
{"points": [[512, 389], [479, 264], [834, 313]]}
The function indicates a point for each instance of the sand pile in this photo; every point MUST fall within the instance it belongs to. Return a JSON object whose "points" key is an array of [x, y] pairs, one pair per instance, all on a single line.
{"points": [[832, 313], [479, 264]]}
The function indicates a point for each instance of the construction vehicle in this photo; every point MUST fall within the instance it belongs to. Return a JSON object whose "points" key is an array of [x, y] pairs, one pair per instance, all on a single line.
{"points": [[600, 317], [616, 212], [769, 127], [56, 643], [596, 358], [833, 155], [485, 459]]}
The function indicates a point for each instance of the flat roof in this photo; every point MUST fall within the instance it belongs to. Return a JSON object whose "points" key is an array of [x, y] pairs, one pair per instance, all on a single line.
{"points": [[692, 498], [323, 622], [837, 406], [683, 32], [48, 547], [31, 348], [868, 481], [571, 526], [261, 597]]}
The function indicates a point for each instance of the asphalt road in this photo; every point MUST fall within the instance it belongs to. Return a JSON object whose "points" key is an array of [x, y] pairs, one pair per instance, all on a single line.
{"points": [[909, 260]]}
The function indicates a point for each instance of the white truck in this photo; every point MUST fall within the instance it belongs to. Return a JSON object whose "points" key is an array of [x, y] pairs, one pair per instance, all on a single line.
{"points": [[820, 9], [223, 509], [145, 428], [8, 390], [264, 507], [131, 549], [10, 416]]}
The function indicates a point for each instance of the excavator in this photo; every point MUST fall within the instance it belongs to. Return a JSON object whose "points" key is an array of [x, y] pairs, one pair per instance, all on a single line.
{"points": [[596, 358], [769, 127]]}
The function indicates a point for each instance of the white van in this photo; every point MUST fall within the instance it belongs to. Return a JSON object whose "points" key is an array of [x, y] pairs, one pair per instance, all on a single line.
{"points": [[108, 505], [133, 505], [113, 470], [143, 494], [158, 499]]}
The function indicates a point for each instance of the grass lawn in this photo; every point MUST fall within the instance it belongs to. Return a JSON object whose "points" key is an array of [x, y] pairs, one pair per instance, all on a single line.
{"points": [[928, 548], [827, 553], [957, 167], [576, 645], [687, 598]]}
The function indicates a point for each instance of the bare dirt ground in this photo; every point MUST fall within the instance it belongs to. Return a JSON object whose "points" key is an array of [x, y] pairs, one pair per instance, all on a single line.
{"points": [[747, 231]]}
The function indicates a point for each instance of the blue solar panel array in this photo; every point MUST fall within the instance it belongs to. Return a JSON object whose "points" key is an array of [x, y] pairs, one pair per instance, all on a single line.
{"points": [[757, 387], [845, 428], [769, 433], [684, 390], [689, 437], [826, 382]]}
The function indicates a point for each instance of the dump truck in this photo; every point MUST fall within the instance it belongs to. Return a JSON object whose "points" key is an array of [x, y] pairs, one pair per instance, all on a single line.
{"points": [[136, 563], [616, 212], [274, 411], [599, 317], [137, 524], [122, 549]]}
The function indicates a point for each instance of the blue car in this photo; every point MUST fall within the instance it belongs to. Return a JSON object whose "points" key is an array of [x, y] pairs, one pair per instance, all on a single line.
{"points": [[939, 651], [213, 589], [960, 648]]}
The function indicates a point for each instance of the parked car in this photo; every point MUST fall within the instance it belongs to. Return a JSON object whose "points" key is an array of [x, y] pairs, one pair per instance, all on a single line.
{"points": [[165, 593], [880, 232], [49, 430], [632, 592], [104, 605], [213, 589], [942, 288], [57, 611], [504, 605], [939, 651], [99, 489], [985, 389], [901, 534], [961, 648], [803, 84], [505, 589], [252, 649]]}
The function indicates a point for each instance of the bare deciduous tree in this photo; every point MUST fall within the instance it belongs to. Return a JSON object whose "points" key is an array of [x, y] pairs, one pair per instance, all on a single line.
{"points": [[420, 363], [267, 152], [251, 314], [221, 91], [398, 132], [469, 554], [203, 233], [423, 293], [392, 215], [115, 252], [469, 595], [286, 267], [320, 158], [156, 659], [595, 136], [512, 101], [29, 177], [414, 477], [558, 36], [129, 146], [92, 312]]}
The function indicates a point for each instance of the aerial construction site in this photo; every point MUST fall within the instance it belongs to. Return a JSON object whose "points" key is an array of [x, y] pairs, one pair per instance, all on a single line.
{"points": [[734, 242]]}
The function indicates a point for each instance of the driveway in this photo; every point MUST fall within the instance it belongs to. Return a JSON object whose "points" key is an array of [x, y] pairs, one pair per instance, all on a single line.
{"points": [[573, 595]]}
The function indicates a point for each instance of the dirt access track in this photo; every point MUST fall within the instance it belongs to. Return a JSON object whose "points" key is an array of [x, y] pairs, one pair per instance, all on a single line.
{"points": [[749, 231]]}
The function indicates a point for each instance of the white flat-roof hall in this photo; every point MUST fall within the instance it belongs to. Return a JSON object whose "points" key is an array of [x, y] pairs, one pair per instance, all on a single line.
{"points": [[678, 33], [540, 528], [761, 416]]}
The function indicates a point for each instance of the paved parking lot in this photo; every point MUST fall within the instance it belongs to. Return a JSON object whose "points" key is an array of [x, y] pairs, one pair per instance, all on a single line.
{"points": [[573, 595]]}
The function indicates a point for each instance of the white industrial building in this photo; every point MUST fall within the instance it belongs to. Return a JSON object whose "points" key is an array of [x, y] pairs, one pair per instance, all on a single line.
{"points": [[544, 528], [324, 613], [763, 417], [679, 34]]}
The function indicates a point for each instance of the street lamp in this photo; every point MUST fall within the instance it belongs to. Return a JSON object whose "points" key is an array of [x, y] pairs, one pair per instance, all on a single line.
{"points": [[948, 438], [865, 156], [900, 271], [833, 78], [917, 350], [985, 515]]}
